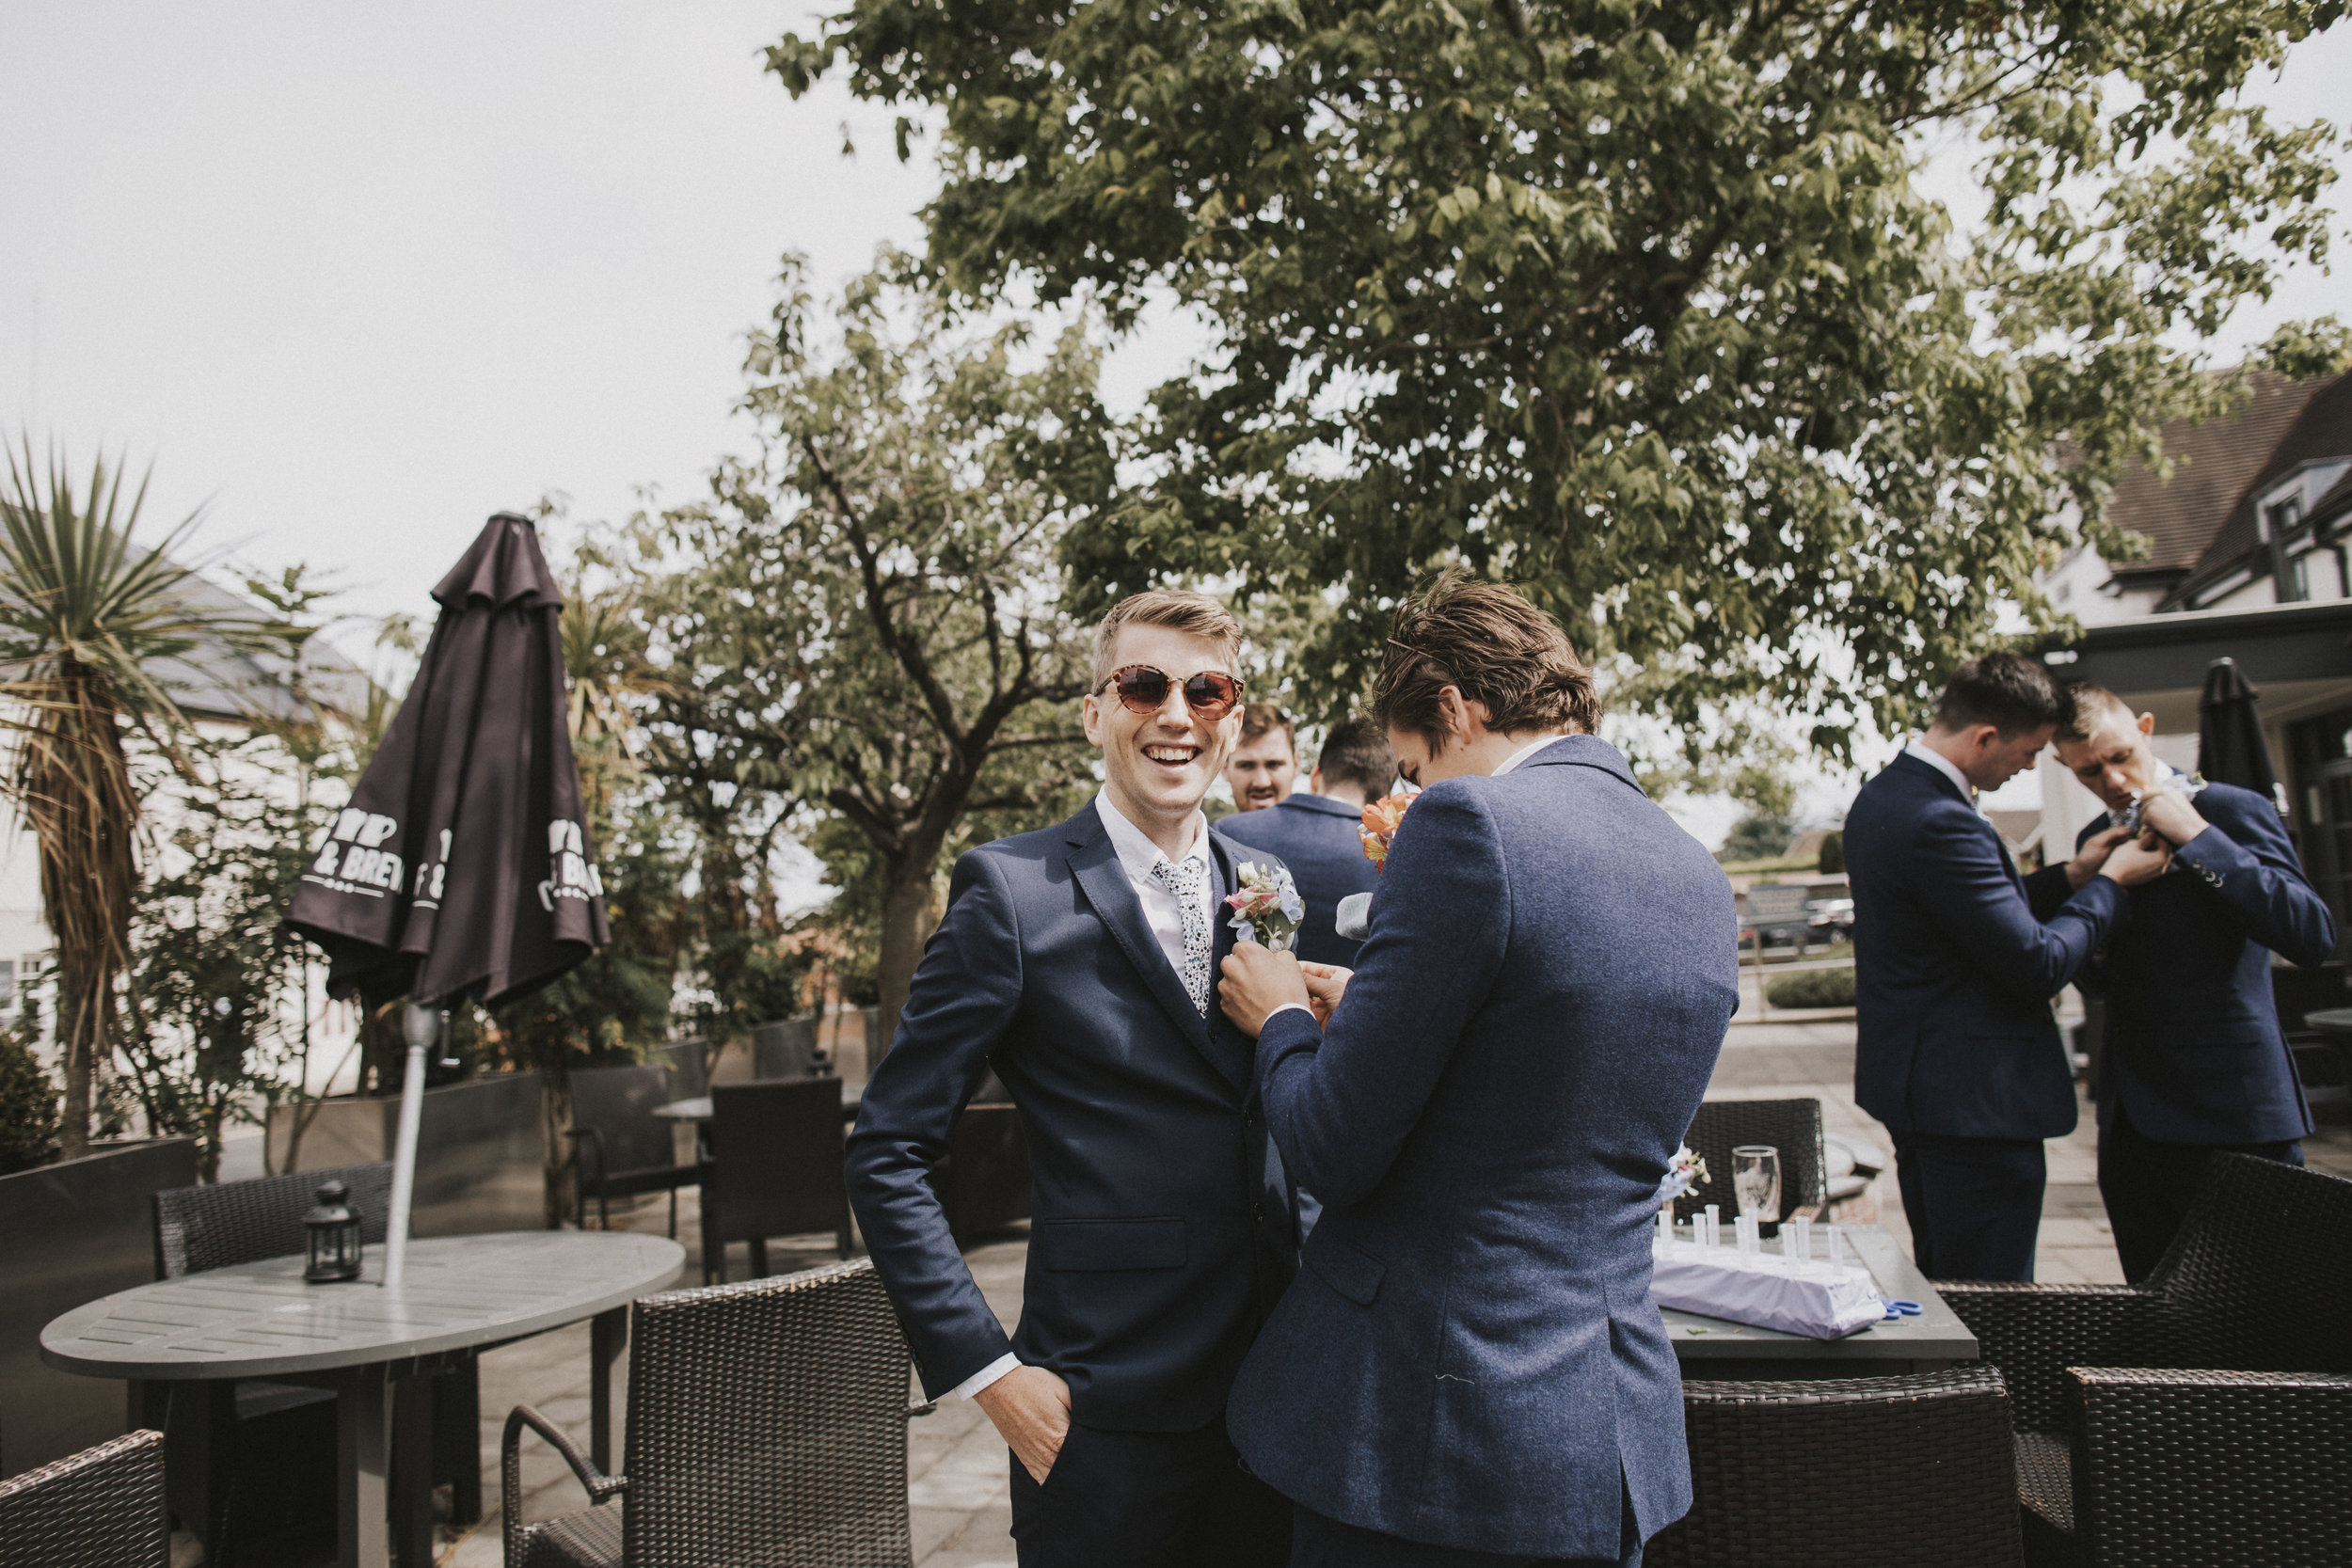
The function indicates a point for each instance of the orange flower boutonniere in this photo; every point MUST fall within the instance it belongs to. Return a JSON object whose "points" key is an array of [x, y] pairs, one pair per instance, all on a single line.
{"points": [[1381, 819]]}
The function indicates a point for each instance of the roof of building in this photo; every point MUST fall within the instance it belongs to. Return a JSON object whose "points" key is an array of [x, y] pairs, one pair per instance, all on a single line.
{"points": [[215, 680], [2213, 461], [2322, 428]]}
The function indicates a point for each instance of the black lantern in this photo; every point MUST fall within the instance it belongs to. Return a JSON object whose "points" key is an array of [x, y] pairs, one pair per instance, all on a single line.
{"points": [[332, 1232]]}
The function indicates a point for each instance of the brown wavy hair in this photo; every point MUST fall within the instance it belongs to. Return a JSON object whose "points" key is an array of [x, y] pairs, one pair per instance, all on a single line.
{"points": [[1486, 639]]}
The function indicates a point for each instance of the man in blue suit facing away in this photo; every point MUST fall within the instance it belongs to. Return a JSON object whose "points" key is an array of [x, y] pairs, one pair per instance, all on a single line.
{"points": [[2194, 1061], [1319, 835], [1078, 963], [1954, 1047], [1469, 1372]]}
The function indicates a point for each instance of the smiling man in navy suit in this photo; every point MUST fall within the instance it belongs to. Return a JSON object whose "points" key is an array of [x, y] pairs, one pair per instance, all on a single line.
{"points": [[1076, 962], [1318, 834], [1470, 1372], [1955, 1046], [2194, 1062]]}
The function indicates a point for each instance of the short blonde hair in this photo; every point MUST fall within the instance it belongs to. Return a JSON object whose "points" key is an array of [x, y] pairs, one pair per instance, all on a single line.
{"points": [[1194, 614]]}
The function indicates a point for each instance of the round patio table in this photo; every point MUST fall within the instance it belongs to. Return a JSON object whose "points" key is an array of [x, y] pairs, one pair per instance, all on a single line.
{"points": [[462, 1294]]}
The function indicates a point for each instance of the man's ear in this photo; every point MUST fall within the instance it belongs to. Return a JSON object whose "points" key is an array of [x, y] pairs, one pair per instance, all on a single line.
{"points": [[1090, 713], [2148, 724], [1314, 782]]}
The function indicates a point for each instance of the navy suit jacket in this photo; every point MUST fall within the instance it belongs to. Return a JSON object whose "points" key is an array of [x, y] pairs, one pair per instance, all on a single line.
{"points": [[1953, 974], [1321, 841], [2193, 1049], [1471, 1357], [1159, 1236]]}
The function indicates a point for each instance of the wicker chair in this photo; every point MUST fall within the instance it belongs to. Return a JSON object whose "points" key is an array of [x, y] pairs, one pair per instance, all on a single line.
{"points": [[102, 1508], [2207, 1414], [278, 1440], [767, 1429], [776, 1168], [1913, 1468], [1791, 1126]]}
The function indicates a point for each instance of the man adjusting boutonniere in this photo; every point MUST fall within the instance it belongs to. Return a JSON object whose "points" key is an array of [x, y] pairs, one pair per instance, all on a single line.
{"points": [[1469, 1369]]}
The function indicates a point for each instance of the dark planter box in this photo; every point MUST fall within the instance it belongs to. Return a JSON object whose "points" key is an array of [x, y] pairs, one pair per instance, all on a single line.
{"points": [[68, 1234], [481, 1150]]}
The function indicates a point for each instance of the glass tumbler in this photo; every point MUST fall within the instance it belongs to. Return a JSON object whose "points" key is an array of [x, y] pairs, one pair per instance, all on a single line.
{"points": [[1756, 1182]]}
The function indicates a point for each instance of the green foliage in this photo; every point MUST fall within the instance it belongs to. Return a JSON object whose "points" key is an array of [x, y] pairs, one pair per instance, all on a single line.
{"points": [[89, 619], [1756, 836], [1639, 305], [215, 971], [28, 1104], [866, 620], [1833, 861], [1812, 988]]}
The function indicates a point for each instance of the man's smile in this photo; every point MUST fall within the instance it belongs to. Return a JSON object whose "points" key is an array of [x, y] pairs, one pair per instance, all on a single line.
{"points": [[1172, 754]]}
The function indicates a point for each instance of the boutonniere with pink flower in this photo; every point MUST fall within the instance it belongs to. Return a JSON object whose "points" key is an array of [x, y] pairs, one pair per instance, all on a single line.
{"points": [[1381, 819], [1684, 1172], [1267, 909]]}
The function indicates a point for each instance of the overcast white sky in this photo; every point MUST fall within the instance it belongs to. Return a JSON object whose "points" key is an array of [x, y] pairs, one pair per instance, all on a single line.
{"points": [[363, 277]]}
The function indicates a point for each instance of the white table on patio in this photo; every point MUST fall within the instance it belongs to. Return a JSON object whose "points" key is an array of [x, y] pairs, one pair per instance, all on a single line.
{"points": [[462, 1293]]}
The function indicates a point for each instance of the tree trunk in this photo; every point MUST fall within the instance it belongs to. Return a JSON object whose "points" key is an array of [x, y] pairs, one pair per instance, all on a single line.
{"points": [[905, 925], [561, 1174], [75, 790]]}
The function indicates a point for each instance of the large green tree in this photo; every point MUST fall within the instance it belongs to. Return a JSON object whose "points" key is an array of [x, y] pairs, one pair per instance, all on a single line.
{"points": [[1640, 304], [869, 614]]}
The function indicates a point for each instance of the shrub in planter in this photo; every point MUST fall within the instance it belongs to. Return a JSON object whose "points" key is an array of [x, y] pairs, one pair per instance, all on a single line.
{"points": [[1813, 987], [28, 1106]]}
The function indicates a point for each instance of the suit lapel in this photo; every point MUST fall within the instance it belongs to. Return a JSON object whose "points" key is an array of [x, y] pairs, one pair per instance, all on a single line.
{"points": [[1094, 866]]}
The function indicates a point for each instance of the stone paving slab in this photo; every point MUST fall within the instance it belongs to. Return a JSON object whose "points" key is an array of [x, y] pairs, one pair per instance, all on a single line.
{"points": [[957, 1469]]}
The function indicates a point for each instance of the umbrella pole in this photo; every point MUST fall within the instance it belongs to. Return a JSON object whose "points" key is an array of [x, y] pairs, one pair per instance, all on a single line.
{"points": [[423, 1026]]}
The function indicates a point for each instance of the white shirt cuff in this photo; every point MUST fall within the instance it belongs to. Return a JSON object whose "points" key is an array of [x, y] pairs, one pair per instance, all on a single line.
{"points": [[1289, 1008], [985, 1376]]}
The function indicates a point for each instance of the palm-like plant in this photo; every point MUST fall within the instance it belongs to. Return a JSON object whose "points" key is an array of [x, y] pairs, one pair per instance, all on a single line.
{"points": [[87, 621]]}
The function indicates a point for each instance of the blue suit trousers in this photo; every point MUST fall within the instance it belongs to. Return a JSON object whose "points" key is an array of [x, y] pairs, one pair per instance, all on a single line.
{"points": [[1974, 1204], [1149, 1499], [1321, 1542], [2146, 1186]]}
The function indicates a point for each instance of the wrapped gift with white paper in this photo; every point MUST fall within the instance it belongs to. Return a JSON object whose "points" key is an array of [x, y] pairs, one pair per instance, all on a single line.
{"points": [[1795, 1296]]}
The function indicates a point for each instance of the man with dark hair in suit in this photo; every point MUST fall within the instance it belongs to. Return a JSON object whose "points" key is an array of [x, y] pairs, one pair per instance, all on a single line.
{"points": [[1318, 834], [1469, 1371], [1076, 963], [2193, 1060], [1954, 1047], [1264, 764]]}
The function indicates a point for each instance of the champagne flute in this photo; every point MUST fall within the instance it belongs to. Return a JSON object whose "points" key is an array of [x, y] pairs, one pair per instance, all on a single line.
{"points": [[1756, 1180]]}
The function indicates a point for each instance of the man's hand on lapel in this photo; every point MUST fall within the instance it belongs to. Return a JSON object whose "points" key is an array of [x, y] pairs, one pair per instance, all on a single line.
{"points": [[2093, 854], [1258, 980]]}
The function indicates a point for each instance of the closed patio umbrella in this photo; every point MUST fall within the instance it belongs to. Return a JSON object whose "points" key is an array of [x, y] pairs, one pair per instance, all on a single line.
{"points": [[2231, 748], [462, 866]]}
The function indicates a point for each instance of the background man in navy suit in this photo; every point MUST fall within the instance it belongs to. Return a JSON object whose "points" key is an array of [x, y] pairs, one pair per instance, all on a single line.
{"points": [[1470, 1370], [1076, 963], [2194, 1060], [1954, 1047], [1319, 835], [1264, 764]]}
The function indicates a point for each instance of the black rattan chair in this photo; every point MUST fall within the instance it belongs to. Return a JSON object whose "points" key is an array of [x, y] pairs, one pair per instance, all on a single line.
{"points": [[1913, 1468], [767, 1429], [621, 1149], [2207, 1414], [776, 1168], [1791, 1126], [102, 1508], [253, 1458]]}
